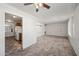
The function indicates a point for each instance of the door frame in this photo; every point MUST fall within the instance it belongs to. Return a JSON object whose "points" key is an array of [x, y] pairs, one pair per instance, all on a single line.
{"points": [[22, 26]]}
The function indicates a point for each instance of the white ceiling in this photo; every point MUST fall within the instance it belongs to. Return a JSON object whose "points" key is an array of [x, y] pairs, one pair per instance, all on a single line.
{"points": [[57, 12]]}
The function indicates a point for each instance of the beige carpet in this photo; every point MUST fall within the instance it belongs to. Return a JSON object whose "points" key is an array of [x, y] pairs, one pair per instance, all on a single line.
{"points": [[45, 46]]}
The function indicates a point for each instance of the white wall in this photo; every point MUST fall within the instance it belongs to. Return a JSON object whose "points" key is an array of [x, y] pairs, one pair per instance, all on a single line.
{"points": [[58, 29], [29, 26], [74, 30], [2, 33], [30, 32]]}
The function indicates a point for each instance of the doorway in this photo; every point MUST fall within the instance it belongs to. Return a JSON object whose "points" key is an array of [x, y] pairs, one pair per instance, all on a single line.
{"points": [[13, 33]]}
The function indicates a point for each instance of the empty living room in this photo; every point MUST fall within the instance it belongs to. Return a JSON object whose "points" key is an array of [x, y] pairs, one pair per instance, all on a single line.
{"points": [[39, 29]]}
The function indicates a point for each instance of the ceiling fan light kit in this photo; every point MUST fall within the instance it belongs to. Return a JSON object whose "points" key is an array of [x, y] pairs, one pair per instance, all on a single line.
{"points": [[37, 5]]}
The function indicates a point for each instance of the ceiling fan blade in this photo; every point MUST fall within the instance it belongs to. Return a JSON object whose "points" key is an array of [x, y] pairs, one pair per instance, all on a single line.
{"points": [[28, 3], [46, 6]]}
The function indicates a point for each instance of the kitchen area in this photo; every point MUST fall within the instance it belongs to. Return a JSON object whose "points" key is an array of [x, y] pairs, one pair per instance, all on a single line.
{"points": [[13, 33]]}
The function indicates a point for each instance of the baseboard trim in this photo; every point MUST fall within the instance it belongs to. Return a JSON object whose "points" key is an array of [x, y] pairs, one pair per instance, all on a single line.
{"points": [[57, 36]]}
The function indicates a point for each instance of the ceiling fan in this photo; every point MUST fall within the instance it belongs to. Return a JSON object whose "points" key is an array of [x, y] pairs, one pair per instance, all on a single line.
{"points": [[37, 5]]}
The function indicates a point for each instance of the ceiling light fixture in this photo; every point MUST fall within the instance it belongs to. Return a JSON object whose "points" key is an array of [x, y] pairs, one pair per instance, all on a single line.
{"points": [[37, 5], [40, 4], [14, 16]]}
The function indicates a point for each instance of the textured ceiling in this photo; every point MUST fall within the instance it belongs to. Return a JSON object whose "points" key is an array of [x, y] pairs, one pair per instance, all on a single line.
{"points": [[57, 12]]}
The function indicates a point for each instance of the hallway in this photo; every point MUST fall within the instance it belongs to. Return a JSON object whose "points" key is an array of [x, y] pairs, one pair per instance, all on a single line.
{"points": [[45, 46]]}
